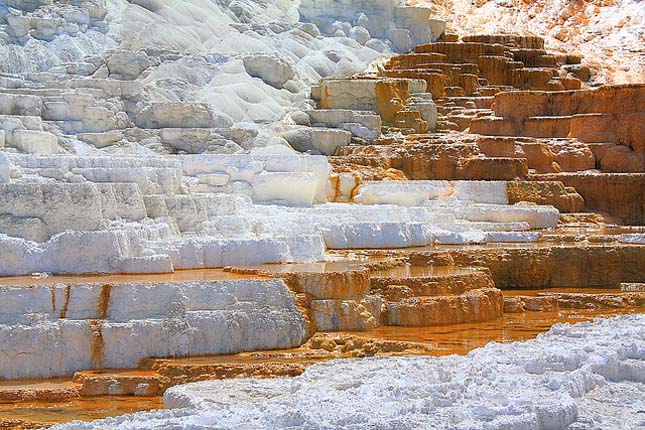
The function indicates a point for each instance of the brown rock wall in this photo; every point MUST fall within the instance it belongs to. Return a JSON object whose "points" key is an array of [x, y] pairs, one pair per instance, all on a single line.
{"points": [[621, 195], [472, 306], [550, 266]]}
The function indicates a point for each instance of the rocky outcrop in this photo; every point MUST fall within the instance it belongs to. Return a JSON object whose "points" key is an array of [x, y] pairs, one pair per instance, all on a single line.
{"points": [[400, 103], [601, 32], [618, 194], [404, 27], [550, 302]]}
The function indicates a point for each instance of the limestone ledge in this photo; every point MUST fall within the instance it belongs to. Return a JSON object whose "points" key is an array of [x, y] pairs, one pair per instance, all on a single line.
{"points": [[75, 214], [58, 329]]}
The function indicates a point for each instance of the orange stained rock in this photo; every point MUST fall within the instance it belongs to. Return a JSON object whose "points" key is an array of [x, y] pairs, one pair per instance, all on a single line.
{"points": [[594, 127], [623, 159], [435, 80], [556, 264], [554, 193], [391, 97], [413, 61], [617, 194], [63, 310], [54, 390], [346, 314], [530, 303], [333, 285], [618, 100], [361, 172], [540, 157], [482, 304], [599, 301], [123, 382], [432, 281], [491, 168]]}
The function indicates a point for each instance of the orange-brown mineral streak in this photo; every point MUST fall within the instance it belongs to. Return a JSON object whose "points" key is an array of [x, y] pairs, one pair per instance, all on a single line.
{"points": [[96, 335], [52, 292], [104, 300], [63, 310], [96, 344]]}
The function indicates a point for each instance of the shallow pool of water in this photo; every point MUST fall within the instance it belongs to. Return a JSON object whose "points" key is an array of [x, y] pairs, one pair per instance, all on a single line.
{"points": [[81, 408], [512, 327]]}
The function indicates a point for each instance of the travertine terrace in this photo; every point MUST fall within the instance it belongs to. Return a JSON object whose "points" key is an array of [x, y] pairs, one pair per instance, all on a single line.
{"points": [[210, 189]]}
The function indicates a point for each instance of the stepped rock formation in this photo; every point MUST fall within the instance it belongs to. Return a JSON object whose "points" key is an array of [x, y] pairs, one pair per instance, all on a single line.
{"points": [[559, 380], [263, 179], [608, 33]]}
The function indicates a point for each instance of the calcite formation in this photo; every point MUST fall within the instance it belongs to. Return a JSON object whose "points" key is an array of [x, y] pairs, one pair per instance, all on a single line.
{"points": [[205, 177], [60, 328], [525, 116], [561, 379]]}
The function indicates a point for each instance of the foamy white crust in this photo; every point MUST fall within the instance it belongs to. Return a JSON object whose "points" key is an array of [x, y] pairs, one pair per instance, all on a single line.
{"points": [[192, 65]]}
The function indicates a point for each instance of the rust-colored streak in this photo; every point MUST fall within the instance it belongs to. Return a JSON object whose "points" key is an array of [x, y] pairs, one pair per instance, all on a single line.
{"points": [[52, 292], [96, 344], [335, 180], [355, 189], [302, 300], [450, 191], [104, 300], [63, 310]]}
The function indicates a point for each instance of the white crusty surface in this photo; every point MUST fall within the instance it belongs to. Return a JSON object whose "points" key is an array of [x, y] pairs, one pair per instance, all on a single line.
{"points": [[82, 214], [168, 64], [51, 330], [575, 377]]}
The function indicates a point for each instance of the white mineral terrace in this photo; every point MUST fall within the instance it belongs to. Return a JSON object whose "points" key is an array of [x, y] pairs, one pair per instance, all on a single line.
{"points": [[583, 376], [72, 214], [54, 330]]}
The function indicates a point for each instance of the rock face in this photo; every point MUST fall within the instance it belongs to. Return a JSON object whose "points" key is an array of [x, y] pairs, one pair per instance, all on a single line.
{"points": [[153, 215], [618, 194], [60, 328], [553, 266], [549, 302], [528, 118], [402, 26], [437, 296], [401, 103], [272, 69], [104, 65]]}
